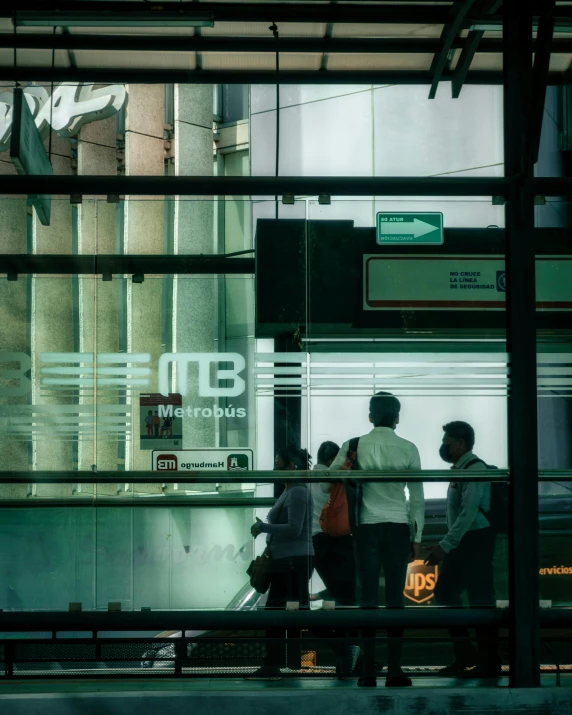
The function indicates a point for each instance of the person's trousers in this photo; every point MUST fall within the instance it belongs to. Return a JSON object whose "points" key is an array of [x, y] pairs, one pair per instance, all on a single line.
{"points": [[469, 568], [289, 582], [385, 545], [335, 563]]}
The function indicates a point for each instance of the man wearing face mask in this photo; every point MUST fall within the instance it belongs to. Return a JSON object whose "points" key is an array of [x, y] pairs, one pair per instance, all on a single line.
{"points": [[467, 554]]}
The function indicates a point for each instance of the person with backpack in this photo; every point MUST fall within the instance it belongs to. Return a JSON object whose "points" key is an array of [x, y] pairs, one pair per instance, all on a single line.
{"points": [[387, 529], [466, 553], [333, 554]]}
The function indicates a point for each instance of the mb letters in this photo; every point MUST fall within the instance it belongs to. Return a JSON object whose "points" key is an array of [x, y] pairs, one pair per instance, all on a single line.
{"points": [[72, 106], [96, 369], [204, 360]]}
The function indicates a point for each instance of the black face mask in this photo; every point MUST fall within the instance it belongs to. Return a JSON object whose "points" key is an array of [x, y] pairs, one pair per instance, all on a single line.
{"points": [[445, 453]]}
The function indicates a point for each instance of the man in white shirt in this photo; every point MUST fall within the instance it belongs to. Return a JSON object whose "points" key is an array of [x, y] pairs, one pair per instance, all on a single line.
{"points": [[388, 530], [467, 553]]}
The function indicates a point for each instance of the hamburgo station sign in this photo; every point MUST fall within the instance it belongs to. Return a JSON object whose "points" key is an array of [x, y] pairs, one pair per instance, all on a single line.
{"points": [[72, 105]]}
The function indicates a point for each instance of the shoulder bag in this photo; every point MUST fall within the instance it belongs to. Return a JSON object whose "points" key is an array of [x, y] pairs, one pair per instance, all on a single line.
{"points": [[260, 568]]}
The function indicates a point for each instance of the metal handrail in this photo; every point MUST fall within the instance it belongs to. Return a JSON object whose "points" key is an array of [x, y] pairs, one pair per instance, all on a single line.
{"points": [[414, 617], [255, 477], [201, 501]]}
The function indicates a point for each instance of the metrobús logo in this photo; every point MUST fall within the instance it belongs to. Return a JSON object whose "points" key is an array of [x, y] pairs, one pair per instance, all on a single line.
{"points": [[420, 582], [204, 412], [58, 370], [204, 361], [167, 463], [207, 363]]}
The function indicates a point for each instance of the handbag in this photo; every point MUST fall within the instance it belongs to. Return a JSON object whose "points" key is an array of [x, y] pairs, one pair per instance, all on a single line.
{"points": [[260, 572], [260, 568]]}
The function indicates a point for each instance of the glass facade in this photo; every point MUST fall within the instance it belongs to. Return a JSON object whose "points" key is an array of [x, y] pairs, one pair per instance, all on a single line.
{"points": [[163, 357], [96, 381]]}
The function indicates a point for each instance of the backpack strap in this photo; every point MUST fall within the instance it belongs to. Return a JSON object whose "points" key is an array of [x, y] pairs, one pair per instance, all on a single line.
{"points": [[353, 446], [355, 494], [473, 461], [486, 514]]}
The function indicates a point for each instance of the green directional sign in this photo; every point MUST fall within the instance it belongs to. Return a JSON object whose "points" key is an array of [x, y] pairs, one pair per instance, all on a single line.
{"points": [[415, 228]]}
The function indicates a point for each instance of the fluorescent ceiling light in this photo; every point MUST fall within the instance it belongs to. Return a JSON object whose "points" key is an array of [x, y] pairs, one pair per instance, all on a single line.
{"points": [[133, 18], [493, 26], [486, 27]]}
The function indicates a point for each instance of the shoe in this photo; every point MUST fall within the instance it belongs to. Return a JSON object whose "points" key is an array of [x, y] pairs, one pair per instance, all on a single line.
{"points": [[397, 681], [357, 660], [457, 669], [340, 670], [346, 665], [483, 671], [367, 682], [265, 673]]}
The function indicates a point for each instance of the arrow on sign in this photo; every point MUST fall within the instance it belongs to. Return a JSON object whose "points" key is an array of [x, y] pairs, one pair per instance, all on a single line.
{"points": [[414, 228]]}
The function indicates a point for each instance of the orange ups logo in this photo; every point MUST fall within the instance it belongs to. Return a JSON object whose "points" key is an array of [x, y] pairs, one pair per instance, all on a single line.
{"points": [[420, 582]]}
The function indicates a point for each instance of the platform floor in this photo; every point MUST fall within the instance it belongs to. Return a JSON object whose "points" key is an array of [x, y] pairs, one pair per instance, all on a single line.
{"points": [[221, 696]]}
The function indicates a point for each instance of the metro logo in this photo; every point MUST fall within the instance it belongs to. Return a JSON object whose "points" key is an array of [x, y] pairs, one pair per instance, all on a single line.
{"points": [[420, 582], [167, 463], [204, 361]]}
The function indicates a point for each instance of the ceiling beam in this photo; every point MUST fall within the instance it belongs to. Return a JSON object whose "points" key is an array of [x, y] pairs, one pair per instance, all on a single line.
{"points": [[178, 43], [422, 12], [98, 75], [175, 76], [20, 264], [474, 39], [472, 43], [450, 31], [399, 13], [539, 81], [251, 186]]}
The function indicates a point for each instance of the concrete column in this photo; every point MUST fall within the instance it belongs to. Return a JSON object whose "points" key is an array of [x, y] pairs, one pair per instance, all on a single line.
{"points": [[196, 329], [238, 306], [13, 322], [143, 234], [98, 318], [38, 319], [195, 297], [52, 328]]}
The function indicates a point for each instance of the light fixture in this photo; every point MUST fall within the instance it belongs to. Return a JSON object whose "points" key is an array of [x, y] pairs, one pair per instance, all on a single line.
{"points": [[562, 25], [108, 18], [484, 26]]}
